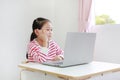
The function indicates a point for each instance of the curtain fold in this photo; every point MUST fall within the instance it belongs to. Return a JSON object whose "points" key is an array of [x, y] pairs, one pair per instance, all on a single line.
{"points": [[86, 15]]}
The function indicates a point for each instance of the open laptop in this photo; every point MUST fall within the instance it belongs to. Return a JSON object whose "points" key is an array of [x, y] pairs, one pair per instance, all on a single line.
{"points": [[79, 48]]}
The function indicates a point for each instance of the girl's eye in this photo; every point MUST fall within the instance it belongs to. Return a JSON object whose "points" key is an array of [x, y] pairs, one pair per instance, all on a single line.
{"points": [[49, 29]]}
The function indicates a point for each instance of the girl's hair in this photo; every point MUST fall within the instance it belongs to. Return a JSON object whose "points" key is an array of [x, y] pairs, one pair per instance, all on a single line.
{"points": [[38, 24]]}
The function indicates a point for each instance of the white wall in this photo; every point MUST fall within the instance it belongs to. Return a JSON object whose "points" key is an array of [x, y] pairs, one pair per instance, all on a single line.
{"points": [[13, 37], [16, 17], [107, 46], [66, 19]]}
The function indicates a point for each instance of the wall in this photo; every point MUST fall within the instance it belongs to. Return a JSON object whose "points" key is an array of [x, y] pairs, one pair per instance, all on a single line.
{"points": [[66, 19], [16, 17], [107, 46], [13, 37]]}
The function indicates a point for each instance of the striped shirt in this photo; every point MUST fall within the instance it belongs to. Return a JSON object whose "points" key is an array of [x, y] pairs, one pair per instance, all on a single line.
{"points": [[36, 53]]}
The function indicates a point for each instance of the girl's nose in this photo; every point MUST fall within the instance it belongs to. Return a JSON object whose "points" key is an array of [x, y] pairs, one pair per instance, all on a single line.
{"points": [[50, 32]]}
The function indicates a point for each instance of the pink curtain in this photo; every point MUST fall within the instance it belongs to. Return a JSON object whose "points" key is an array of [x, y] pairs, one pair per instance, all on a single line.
{"points": [[86, 15]]}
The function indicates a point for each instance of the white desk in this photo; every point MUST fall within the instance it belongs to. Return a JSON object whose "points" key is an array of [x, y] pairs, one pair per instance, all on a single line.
{"points": [[79, 72]]}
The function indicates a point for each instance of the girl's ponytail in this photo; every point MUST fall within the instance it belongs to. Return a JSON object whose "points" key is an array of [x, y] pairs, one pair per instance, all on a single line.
{"points": [[33, 36]]}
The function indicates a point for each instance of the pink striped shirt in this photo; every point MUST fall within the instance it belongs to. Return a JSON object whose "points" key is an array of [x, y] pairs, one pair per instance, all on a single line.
{"points": [[35, 53]]}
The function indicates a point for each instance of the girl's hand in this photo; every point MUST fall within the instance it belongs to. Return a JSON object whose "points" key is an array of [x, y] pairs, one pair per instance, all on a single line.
{"points": [[57, 58]]}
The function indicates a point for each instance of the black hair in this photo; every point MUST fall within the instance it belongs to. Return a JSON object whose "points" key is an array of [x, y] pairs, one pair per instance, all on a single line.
{"points": [[37, 24]]}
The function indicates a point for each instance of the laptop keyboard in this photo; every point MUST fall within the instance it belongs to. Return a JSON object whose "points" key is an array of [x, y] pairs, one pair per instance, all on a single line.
{"points": [[54, 62]]}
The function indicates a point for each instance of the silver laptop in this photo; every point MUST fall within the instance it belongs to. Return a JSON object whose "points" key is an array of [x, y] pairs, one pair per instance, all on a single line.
{"points": [[79, 49]]}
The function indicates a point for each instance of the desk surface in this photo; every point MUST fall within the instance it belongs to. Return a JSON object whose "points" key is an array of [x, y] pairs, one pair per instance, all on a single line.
{"points": [[80, 71]]}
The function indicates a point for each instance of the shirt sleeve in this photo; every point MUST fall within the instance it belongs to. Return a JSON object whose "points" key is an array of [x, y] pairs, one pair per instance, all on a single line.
{"points": [[59, 51], [36, 53]]}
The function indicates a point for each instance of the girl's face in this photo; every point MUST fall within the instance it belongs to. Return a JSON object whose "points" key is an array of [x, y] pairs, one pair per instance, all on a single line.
{"points": [[48, 29]]}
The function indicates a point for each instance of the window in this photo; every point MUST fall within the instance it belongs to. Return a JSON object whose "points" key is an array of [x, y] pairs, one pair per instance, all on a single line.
{"points": [[107, 12]]}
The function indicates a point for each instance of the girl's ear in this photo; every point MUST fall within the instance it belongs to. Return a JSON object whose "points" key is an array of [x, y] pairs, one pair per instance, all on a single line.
{"points": [[36, 32]]}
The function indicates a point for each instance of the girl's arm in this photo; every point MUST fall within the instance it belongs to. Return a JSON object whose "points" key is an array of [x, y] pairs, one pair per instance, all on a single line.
{"points": [[36, 54], [59, 53]]}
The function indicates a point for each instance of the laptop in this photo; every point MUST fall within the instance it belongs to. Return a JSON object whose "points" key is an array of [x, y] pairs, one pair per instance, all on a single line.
{"points": [[79, 49]]}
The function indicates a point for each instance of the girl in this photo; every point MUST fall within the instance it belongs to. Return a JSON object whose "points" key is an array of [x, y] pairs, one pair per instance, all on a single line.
{"points": [[41, 47]]}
